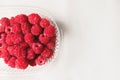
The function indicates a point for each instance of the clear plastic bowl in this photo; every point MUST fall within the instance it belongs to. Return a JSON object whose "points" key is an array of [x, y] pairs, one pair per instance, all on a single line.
{"points": [[12, 11]]}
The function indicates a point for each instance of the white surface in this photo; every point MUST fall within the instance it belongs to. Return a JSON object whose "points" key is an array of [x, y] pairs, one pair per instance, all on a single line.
{"points": [[91, 48]]}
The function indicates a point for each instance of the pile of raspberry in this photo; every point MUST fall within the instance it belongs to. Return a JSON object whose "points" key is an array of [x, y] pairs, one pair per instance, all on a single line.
{"points": [[26, 40]]}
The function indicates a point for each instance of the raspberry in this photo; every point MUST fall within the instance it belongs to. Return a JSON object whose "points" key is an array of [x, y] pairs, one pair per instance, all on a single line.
{"points": [[19, 52], [4, 48], [21, 18], [9, 39], [51, 45], [37, 48], [36, 30], [14, 39], [10, 49], [0, 52], [22, 53], [11, 62], [53, 39], [8, 29], [24, 45], [2, 37], [17, 38], [5, 22], [2, 29], [25, 28], [16, 28], [0, 44], [12, 21], [5, 55], [49, 31], [32, 63], [44, 39], [44, 23], [29, 38], [34, 18], [21, 63], [30, 54], [47, 53], [6, 58], [40, 60]]}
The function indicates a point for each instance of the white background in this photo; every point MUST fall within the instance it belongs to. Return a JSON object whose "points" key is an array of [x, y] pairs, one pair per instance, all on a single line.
{"points": [[91, 47]]}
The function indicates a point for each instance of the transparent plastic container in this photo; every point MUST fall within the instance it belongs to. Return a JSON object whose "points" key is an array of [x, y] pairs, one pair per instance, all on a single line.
{"points": [[12, 11]]}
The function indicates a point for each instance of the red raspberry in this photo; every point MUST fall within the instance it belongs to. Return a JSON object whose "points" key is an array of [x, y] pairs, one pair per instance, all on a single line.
{"points": [[21, 18], [53, 39], [16, 28], [36, 30], [29, 38], [6, 59], [21, 63], [47, 53], [37, 48], [0, 52], [25, 28], [44, 39], [22, 53], [2, 37], [10, 49], [30, 54], [49, 31], [34, 18], [8, 29], [40, 60], [11, 62], [12, 21], [2, 29], [17, 38], [5, 53], [44, 23], [14, 50], [19, 52], [0, 45], [24, 45], [9, 39], [32, 63], [4, 46], [5, 22], [51, 45]]}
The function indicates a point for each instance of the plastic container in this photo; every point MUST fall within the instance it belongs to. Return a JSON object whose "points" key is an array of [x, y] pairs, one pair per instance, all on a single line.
{"points": [[12, 11]]}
